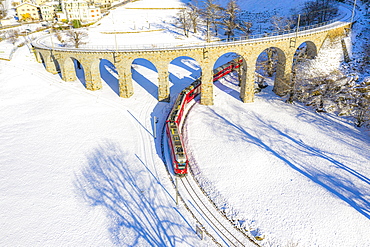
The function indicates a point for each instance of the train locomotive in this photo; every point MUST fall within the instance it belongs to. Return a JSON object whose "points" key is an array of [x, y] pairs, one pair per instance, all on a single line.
{"points": [[176, 117]]}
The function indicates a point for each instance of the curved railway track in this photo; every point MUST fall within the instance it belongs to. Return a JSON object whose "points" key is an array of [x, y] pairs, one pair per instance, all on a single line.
{"points": [[216, 224], [213, 224]]}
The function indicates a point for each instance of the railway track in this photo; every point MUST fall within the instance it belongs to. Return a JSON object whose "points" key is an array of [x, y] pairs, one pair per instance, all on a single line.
{"points": [[209, 219], [222, 230]]}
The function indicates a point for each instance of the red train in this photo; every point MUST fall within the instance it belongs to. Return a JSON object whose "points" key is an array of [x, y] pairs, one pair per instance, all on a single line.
{"points": [[175, 120], [226, 68]]}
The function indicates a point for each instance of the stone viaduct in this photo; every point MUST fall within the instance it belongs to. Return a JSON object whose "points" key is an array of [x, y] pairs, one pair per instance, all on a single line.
{"points": [[62, 60]]}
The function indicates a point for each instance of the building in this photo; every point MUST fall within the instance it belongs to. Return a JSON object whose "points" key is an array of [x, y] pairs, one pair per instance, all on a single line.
{"points": [[94, 13], [59, 11], [28, 12], [49, 11], [80, 10]]}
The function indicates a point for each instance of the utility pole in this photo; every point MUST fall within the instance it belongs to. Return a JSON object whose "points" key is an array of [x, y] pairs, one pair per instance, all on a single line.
{"points": [[51, 38], [353, 13], [155, 121], [299, 20], [294, 41]]}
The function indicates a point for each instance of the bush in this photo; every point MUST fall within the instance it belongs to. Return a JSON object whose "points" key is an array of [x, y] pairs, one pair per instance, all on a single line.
{"points": [[76, 23]]}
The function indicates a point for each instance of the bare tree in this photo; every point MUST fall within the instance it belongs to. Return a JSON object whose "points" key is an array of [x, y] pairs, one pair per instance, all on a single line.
{"points": [[281, 23], [245, 27], [361, 104], [76, 37], [3, 10], [230, 20], [272, 58], [361, 112], [15, 4], [12, 35], [59, 36], [193, 13], [366, 49], [211, 13], [184, 21], [317, 11]]}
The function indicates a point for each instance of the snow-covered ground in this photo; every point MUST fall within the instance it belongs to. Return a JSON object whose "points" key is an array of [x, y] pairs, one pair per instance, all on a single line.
{"points": [[81, 168], [284, 171]]}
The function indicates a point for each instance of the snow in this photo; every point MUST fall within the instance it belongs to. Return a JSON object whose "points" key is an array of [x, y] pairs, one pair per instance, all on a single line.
{"points": [[293, 174], [78, 167], [81, 168]]}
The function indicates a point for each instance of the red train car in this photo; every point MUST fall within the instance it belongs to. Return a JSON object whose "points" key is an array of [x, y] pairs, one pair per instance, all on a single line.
{"points": [[179, 159], [175, 120], [174, 123], [226, 68]]}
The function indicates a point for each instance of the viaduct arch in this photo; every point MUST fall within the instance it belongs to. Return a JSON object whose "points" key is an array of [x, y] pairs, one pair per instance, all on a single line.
{"points": [[61, 60]]}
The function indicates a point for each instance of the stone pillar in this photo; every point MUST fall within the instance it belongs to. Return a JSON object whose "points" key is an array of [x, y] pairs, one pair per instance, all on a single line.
{"points": [[247, 83], [283, 77], [37, 55], [92, 76], [126, 89], [163, 82], [207, 86], [241, 74], [67, 69], [50, 65]]}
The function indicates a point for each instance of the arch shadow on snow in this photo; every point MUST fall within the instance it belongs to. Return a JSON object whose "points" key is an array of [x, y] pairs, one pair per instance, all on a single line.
{"points": [[349, 192], [230, 83], [109, 74], [80, 72], [128, 194], [183, 71], [142, 78]]}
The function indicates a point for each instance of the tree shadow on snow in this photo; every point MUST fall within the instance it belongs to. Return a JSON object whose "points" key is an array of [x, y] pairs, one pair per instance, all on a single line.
{"points": [[283, 145], [137, 216]]}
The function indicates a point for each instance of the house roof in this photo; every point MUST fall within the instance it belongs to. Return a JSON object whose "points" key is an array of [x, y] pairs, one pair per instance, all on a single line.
{"points": [[34, 5]]}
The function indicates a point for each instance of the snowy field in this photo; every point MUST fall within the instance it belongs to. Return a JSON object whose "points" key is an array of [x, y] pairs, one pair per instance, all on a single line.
{"points": [[287, 173], [82, 168]]}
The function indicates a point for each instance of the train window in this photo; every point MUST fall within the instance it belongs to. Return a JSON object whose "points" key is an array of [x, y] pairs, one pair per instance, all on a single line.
{"points": [[182, 166]]}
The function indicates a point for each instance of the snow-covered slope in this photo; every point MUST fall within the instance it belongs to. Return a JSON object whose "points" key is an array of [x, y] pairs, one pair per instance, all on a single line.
{"points": [[288, 174], [81, 168]]}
